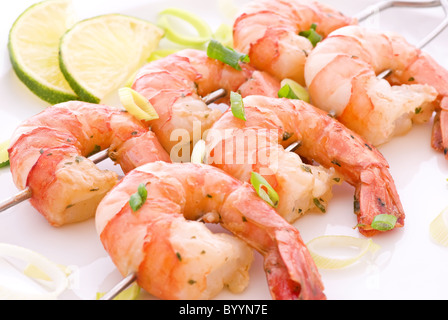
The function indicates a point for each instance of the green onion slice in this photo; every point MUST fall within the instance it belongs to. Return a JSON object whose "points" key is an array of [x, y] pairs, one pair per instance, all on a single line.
{"points": [[53, 278], [312, 35], [264, 189], [137, 105], [292, 90], [202, 28], [438, 228], [384, 222], [199, 152], [216, 50], [286, 92], [4, 156], [138, 199], [337, 252], [237, 106]]}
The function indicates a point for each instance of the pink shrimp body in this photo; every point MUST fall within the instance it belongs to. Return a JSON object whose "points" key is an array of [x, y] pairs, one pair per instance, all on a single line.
{"points": [[268, 31], [174, 85], [48, 151], [278, 123], [177, 257], [341, 77]]}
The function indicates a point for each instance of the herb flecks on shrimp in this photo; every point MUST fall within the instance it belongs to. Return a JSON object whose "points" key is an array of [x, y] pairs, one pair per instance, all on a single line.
{"points": [[48, 155], [178, 257]]}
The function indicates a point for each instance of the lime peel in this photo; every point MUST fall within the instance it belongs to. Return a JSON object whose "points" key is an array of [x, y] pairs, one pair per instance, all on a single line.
{"points": [[202, 28], [33, 46], [98, 55], [438, 228], [137, 105], [339, 242]]}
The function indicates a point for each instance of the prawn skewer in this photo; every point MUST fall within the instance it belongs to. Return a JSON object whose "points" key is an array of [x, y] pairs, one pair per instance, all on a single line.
{"points": [[268, 31], [377, 109], [48, 157], [342, 154], [26, 193], [176, 257], [132, 277], [175, 84]]}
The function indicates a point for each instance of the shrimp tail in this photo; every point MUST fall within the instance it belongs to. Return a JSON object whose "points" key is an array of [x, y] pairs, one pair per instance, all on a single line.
{"points": [[439, 138], [286, 280], [375, 195]]}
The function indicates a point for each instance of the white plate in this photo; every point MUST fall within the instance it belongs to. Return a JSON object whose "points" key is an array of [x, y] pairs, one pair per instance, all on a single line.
{"points": [[409, 266]]}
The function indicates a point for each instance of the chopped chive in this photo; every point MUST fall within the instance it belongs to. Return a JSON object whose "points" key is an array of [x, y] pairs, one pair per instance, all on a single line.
{"points": [[318, 204], [335, 162], [216, 50], [287, 135], [138, 199], [178, 256], [418, 110], [260, 185], [237, 106], [312, 35], [384, 222], [306, 168], [96, 149]]}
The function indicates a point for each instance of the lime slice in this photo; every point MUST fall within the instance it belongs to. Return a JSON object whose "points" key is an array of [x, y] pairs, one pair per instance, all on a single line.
{"points": [[98, 55], [4, 156], [33, 49]]}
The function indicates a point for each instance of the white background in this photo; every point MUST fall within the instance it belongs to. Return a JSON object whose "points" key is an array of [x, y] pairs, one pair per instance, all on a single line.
{"points": [[408, 266]]}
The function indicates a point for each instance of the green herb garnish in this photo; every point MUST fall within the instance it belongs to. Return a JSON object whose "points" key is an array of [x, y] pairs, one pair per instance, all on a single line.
{"points": [[264, 189], [216, 50], [384, 222], [237, 106], [312, 35], [138, 199]]}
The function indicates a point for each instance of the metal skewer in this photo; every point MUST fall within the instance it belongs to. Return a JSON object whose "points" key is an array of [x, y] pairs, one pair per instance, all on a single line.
{"points": [[369, 11], [25, 194]]}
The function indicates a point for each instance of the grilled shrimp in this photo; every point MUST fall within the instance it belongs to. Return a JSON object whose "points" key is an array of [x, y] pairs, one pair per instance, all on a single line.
{"points": [[276, 123], [177, 257], [48, 154], [174, 86], [268, 31], [341, 78]]}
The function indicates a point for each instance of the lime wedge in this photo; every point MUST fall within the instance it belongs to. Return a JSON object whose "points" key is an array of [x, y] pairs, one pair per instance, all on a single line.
{"points": [[33, 49], [98, 55]]}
